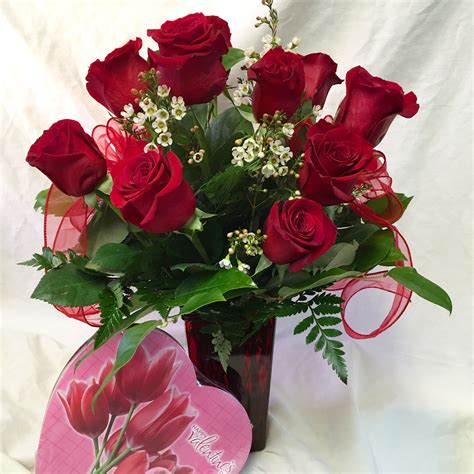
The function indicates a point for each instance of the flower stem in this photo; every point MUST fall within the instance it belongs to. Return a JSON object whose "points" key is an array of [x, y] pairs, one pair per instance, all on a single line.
{"points": [[112, 463], [120, 436], [104, 442], [200, 248]]}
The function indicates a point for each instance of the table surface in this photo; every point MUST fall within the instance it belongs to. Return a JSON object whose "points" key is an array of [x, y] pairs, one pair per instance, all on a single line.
{"points": [[408, 405]]}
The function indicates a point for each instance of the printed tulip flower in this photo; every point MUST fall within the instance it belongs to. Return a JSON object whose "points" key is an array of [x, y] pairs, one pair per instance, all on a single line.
{"points": [[78, 405], [140, 463], [117, 403], [160, 423], [139, 381]]}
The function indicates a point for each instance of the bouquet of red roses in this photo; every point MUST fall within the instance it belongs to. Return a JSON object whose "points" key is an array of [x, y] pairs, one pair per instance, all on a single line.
{"points": [[263, 209]]}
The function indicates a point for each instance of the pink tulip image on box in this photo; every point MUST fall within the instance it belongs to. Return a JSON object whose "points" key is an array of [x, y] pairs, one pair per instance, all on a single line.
{"points": [[150, 417], [155, 414]]}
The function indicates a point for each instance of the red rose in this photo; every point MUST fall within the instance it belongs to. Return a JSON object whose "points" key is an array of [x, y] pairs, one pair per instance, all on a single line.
{"points": [[189, 57], [298, 232], [110, 81], [335, 160], [372, 103], [150, 190], [320, 76], [69, 157], [279, 83]]}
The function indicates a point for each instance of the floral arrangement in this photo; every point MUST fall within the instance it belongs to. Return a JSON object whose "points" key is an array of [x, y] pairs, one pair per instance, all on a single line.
{"points": [[266, 208]]}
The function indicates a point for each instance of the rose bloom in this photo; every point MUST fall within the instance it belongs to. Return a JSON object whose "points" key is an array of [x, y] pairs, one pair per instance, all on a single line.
{"points": [[281, 77], [320, 76], [298, 231], [110, 81], [335, 161], [150, 191], [371, 104], [69, 157], [189, 60], [279, 83]]}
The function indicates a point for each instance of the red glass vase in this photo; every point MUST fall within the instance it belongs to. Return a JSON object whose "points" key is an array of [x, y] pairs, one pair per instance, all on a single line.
{"points": [[248, 375]]}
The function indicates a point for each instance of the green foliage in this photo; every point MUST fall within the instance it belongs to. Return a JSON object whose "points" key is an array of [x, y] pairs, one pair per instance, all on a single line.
{"points": [[221, 188], [411, 279], [70, 286], [112, 258], [49, 260], [204, 288], [341, 254], [105, 228], [380, 204], [232, 57], [40, 200], [320, 329], [358, 232], [317, 281], [223, 348], [374, 250], [221, 135], [113, 311]]}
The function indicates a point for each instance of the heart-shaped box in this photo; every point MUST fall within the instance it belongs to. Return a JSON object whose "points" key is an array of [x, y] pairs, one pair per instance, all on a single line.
{"points": [[172, 423]]}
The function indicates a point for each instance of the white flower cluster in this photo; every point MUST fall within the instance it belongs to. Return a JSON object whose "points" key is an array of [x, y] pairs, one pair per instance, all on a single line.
{"points": [[156, 115], [277, 164], [268, 43], [248, 151], [273, 155], [243, 94], [293, 44]]}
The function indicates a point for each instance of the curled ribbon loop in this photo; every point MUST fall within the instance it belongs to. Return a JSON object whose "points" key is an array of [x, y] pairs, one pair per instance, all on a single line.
{"points": [[65, 224], [378, 186]]}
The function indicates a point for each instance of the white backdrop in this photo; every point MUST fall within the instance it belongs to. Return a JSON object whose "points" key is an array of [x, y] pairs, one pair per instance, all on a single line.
{"points": [[408, 406]]}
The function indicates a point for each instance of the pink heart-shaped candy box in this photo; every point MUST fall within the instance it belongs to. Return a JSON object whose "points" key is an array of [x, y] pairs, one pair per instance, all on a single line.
{"points": [[174, 424]]}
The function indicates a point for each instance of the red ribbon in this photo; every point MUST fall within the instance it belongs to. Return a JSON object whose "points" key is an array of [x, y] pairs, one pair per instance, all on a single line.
{"points": [[379, 185]]}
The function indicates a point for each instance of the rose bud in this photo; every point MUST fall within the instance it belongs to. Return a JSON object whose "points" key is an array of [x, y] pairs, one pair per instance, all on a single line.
{"points": [[298, 232], [150, 190], [371, 104], [189, 60], [160, 423], [320, 76], [69, 157], [139, 381], [335, 161], [117, 403], [110, 82], [279, 83], [78, 405]]}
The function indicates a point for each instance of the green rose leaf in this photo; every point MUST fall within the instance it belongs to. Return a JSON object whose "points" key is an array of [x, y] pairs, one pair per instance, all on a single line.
{"points": [[204, 288], [232, 57], [374, 250], [70, 286], [411, 279], [339, 255], [112, 258]]}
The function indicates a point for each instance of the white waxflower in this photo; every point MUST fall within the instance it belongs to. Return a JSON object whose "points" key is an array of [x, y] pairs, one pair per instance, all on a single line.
{"points": [[226, 263], [243, 267], [249, 144], [274, 160], [295, 195], [140, 118], [249, 156], [164, 139], [148, 107], [237, 98], [160, 126], [266, 47], [316, 111], [179, 112], [268, 170], [296, 41], [198, 157], [286, 155], [276, 147], [288, 129], [249, 51], [177, 101], [128, 111], [260, 154], [283, 170], [162, 114], [150, 147], [163, 90], [249, 62], [244, 87], [267, 39]]}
